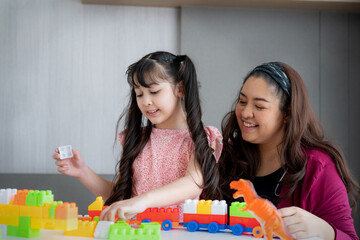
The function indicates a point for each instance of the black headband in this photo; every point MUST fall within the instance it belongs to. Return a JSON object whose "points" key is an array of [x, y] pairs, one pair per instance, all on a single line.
{"points": [[276, 71]]}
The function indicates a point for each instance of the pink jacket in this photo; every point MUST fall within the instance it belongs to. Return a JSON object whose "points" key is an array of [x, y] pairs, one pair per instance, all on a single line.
{"points": [[323, 194]]}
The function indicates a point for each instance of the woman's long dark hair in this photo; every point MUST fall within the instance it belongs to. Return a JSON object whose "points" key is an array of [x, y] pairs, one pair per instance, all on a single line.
{"points": [[240, 159], [163, 65]]}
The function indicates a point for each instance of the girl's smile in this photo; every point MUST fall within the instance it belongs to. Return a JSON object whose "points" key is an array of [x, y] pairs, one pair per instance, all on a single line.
{"points": [[161, 104], [152, 113]]}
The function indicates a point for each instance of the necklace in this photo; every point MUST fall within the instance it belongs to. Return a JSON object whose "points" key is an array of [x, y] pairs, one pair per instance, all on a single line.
{"points": [[277, 185]]}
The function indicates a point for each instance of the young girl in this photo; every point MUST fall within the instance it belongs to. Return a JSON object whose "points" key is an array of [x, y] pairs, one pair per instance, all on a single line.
{"points": [[168, 156], [272, 138]]}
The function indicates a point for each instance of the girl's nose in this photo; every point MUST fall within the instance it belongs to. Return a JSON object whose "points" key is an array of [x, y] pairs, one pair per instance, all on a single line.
{"points": [[147, 100]]}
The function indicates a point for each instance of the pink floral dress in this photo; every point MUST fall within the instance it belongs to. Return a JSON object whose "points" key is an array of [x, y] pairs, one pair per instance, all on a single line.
{"points": [[166, 156]]}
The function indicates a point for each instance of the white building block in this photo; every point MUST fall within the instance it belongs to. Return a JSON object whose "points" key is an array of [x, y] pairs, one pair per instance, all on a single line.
{"points": [[65, 152], [102, 229], [190, 206], [219, 207], [6, 195], [3, 229]]}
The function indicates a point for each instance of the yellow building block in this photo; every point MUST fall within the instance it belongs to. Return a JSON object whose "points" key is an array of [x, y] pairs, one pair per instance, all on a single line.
{"points": [[36, 223], [43, 223], [85, 229], [66, 224], [204, 207], [97, 205], [54, 224], [31, 211], [9, 214]]}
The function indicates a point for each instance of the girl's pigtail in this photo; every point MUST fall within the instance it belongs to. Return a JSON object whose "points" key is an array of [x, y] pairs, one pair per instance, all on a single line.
{"points": [[203, 152], [135, 139]]}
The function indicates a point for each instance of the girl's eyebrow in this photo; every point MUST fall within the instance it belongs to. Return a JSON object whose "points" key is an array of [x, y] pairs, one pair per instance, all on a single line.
{"points": [[151, 84], [256, 99]]}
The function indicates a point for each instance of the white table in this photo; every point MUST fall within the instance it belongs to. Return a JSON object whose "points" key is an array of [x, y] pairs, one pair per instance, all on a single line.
{"points": [[174, 234]]}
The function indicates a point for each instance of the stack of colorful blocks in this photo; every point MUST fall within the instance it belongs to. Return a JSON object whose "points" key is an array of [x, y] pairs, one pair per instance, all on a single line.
{"points": [[27, 211]]}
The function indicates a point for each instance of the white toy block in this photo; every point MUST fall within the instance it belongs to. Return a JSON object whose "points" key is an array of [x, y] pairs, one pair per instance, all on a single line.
{"points": [[102, 229], [65, 152], [3, 229], [219, 207], [6, 195], [190, 206]]}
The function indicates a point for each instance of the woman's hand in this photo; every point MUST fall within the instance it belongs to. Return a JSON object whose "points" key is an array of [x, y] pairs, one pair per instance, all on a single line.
{"points": [[303, 224], [125, 209], [73, 167]]}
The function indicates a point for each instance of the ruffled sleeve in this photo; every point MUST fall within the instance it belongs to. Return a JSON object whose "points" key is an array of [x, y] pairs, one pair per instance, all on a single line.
{"points": [[121, 137], [215, 140]]}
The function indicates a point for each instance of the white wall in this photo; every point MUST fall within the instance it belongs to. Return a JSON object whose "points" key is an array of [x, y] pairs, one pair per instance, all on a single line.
{"points": [[62, 76]]}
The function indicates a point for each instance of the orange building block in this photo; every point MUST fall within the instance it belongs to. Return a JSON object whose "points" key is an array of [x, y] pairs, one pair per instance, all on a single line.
{"points": [[66, 211], [83, 218], [20, 197]]}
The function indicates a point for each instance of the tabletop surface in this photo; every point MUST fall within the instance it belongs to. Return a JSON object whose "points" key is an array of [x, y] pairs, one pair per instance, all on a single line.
{"points": [[174, 234]]}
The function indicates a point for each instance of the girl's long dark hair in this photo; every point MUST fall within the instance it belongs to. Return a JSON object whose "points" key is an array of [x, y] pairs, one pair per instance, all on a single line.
{"points": [[175, 69], [240, 159]]}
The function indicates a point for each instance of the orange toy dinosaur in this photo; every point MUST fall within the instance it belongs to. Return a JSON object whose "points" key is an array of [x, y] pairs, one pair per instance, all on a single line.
{"points": [[263, 210]]}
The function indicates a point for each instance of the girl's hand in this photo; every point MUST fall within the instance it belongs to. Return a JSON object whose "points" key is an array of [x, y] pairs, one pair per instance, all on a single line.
{"points": [[303, 224], [73, 167], [125, 209]]}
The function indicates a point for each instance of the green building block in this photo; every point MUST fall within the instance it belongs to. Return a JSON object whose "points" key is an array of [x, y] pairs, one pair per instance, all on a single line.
{"points": [[236, 210], [53, 208], [146, 231], [39, 198], [23, 230]]}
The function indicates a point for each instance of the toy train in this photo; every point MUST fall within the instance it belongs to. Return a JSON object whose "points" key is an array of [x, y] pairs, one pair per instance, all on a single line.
{"points": [[205, 214]]}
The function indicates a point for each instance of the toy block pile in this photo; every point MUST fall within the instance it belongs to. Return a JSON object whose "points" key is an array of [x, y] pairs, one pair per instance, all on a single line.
{"points": [[88, 224], [25, 212]]}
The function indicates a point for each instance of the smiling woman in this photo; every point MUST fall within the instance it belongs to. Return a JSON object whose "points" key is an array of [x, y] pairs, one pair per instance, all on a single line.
{"points": [[272, 138]]}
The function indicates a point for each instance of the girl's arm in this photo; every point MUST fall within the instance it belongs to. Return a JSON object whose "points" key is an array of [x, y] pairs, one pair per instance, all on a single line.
{"points": [[187, 187], [76, 167]]}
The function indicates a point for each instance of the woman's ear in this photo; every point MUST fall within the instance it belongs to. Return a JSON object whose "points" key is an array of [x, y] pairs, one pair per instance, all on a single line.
{"points": [[180, 89], [287, 115]]}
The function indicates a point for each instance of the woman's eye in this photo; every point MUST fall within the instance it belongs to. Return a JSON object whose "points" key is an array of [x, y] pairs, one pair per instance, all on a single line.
{"points": [[242, 102], [138, 95], [154, 92], [258, 107]]}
